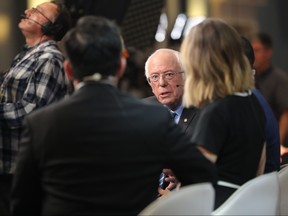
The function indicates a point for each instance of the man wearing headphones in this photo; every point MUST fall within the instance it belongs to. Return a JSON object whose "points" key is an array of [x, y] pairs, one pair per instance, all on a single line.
{"points": [[35, 79]]}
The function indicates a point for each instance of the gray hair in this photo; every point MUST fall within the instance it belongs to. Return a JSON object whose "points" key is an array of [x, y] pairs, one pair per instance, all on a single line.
{"points": [[176, 54]]}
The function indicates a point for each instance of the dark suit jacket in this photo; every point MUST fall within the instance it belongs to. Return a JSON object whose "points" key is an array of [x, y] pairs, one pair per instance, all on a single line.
{"points": [[188, 117], [100, 152]]}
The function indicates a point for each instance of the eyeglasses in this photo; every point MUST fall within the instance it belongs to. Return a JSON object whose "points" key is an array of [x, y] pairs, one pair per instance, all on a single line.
{"points": [[168, 75], [35, 10]]}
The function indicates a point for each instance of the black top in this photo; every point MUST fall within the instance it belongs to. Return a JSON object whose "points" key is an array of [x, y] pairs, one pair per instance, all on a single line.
{"points": [[232, 128]]}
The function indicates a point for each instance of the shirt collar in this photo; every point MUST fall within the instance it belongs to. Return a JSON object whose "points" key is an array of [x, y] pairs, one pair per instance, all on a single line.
{"points": [[179, 110]]}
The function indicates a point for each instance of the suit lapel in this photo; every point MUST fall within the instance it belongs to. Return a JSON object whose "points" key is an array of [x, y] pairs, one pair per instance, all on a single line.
{"points": [[186, 117]]}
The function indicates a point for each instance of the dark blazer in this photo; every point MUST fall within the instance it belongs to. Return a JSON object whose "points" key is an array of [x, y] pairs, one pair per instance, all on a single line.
{"points": [[100, 152], [188, 117]]}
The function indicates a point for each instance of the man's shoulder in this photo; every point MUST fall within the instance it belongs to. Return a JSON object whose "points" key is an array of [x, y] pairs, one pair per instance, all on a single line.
{"points": [[127, 101], [150, 106], [279, 73], [50, 50], [151, 100]]}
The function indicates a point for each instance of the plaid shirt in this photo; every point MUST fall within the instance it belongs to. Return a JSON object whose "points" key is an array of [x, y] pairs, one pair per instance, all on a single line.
{"points": [[36, 78]]}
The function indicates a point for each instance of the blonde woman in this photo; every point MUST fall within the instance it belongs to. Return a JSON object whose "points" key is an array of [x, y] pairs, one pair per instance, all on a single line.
{"points": [[230, 128]]}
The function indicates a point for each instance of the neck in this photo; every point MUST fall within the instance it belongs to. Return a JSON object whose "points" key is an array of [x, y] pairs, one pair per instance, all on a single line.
{"points": [[96, 77], [34, 41], [263, 68], [173, 106]]}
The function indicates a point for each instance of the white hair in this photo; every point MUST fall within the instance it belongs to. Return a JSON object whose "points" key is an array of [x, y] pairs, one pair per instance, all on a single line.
{"points": [[176, 54]]}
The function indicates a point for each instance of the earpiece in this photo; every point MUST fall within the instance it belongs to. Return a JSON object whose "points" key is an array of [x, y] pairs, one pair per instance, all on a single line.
{"points": [[179, 85]]}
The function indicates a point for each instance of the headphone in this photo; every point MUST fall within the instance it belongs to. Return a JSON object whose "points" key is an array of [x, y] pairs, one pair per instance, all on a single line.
{"points": [[51, 28], [59, 26]]}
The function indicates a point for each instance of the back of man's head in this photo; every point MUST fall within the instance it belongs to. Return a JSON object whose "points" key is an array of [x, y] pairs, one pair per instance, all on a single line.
{"points": [[94, 46]]}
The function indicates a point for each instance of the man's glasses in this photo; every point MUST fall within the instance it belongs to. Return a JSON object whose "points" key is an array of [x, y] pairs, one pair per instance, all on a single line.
{"points": [[168, 75], [35, 10]]}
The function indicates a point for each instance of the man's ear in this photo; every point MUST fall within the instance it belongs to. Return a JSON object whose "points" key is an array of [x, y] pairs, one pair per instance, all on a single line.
{"points": [[68, 69], [122, 67]]}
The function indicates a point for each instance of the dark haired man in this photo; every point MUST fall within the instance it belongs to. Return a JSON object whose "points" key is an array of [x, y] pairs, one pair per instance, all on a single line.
{"points": [[271, 132], [273, 83], [36, 78], [112, 147]]}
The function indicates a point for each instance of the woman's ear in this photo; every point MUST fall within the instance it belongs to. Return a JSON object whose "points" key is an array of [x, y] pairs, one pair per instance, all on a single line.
{"points": [[68, 69]]}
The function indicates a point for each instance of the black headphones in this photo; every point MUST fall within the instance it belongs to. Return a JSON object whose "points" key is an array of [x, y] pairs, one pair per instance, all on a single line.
{"points": [[51, 28], [57, 27]]}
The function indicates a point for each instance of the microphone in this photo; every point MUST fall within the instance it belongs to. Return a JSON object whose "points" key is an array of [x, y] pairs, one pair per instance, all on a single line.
{"points": [[25, 17], [179, 85]]}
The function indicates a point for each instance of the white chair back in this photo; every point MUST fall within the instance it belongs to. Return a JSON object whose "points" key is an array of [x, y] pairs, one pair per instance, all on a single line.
{"points": [[283, 180], [259, 196], [195, 199]]}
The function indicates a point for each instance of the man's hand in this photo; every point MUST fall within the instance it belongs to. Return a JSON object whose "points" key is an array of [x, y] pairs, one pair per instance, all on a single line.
{"points": [[283, 150], [173, 182]]}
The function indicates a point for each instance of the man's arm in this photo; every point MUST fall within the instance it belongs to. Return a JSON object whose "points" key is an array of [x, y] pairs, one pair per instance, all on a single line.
{"points": [[208, 154], [283, 130], [186, 161], [43, 87]]}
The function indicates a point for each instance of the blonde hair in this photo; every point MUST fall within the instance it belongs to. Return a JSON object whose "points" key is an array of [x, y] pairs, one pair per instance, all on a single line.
{"points": [[214, 63]]}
